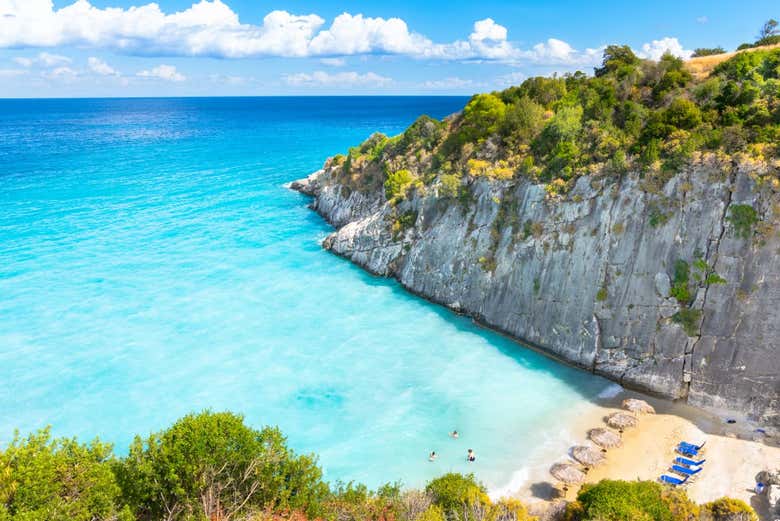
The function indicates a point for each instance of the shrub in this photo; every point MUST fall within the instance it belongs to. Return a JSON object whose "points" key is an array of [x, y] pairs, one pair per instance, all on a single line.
{"points": [[742, 217], [728, 509], [58, 480], [707, 51], [397, 183], [450, 186], [211, 462], [621, 501], [689, 320], [680, 289], [452, 491]]}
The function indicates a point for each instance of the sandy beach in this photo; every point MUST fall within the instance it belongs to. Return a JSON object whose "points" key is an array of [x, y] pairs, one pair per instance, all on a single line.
{"points": [[735, 453]]}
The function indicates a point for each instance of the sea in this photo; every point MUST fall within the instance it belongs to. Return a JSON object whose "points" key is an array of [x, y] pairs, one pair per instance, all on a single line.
{"points": [[153, 263]]}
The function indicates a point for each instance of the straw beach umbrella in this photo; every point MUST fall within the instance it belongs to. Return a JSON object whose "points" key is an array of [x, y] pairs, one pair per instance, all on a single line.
{"points": [[604, 438], [588, 456], [567, 474], [622, 421], [638, 406]]}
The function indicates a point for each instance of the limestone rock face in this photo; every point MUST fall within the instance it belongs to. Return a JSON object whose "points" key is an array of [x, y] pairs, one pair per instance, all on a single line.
{"points": [[588, 278]]}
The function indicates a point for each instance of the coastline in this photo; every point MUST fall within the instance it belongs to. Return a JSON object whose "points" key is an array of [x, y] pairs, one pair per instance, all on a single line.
{"points": [[735, 453]]}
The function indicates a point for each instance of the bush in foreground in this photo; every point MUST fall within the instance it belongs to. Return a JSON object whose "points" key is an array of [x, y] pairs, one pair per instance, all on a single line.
{"points": [[213, 467]]}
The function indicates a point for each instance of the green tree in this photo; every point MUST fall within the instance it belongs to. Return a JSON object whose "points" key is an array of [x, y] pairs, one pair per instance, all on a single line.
{"points": [[452, 491], [619, 60], [212, 466], [482, 116], [45, 479]]}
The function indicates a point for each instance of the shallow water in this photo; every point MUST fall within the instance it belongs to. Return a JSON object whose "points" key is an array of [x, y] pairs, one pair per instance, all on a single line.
{"points": [[153, 264]]}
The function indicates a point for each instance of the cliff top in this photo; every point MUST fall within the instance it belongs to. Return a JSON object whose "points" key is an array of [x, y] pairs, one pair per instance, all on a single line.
{"points": [[632, 114]]}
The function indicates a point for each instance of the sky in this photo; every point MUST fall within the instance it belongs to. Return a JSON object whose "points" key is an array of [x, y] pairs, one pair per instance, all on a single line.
{"points": [[124, 48]]}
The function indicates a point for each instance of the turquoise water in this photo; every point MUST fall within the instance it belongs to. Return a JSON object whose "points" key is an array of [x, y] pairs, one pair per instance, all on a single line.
{"points": [[153, 264]]}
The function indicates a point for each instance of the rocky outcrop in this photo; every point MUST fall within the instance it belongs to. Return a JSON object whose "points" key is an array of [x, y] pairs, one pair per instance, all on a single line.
{"points": [[590, 277]]}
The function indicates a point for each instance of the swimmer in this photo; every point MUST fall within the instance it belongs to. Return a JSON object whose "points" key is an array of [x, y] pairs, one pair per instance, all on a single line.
{"points": [[432, 457], [454, 434], [471, 456]]}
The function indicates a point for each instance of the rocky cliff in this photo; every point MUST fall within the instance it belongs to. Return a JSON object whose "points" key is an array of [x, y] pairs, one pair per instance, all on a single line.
{"points": [[673, 290]]}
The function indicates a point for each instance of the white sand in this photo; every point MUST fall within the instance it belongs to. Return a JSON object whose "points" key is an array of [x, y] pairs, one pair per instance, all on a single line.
{"points": [[733, 459]]}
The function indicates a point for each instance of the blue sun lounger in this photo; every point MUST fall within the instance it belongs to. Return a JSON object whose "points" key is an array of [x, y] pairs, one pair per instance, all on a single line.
{"points": [[686, 449], [673, 481], [685, 471], [691, 445], [686, 461]]}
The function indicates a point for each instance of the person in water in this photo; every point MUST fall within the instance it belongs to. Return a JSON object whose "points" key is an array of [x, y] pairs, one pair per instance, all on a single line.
{"points": [[454, 434], [432, 457], [471, 456]]}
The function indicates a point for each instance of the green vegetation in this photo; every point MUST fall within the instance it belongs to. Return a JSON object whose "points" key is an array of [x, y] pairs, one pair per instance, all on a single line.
{"points": [[632, 115], [43, 479], [767, 35], [707, 51], [684, 285], [728, 509], [742, 217], [632, 501], [397, 183], [689, 320], [213, 467]]}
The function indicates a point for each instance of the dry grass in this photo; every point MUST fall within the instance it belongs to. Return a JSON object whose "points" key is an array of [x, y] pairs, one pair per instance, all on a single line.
{"points": [[701, 67]]}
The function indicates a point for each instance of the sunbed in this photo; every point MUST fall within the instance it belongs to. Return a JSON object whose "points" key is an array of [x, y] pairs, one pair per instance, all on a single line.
{"points": [[689, 462], [685, 471], [674, 481]]}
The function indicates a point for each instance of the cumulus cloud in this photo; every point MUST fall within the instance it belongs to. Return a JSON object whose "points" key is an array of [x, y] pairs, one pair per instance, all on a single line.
{"points": [[558, 52], [163, 72], [100, 67], [211, 28], [43, 59], [657, 48], [340, 79]]}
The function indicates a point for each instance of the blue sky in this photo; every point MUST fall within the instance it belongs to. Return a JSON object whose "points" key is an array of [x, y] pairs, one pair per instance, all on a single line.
{"points": [[66, 48]]}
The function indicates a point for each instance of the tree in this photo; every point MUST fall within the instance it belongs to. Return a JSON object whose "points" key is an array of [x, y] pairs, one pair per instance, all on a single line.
{"points": [[212, 466], [768, 29], [618, 59], [482, 116], [453, 491], [45, 479]]}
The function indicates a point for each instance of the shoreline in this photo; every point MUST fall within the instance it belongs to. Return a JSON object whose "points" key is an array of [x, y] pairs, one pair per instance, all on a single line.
{"points": [[304, 186], [735, 453]]}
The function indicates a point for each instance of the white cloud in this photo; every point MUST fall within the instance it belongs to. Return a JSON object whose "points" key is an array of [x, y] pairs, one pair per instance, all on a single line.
{"points": [[657, 48], [333, 62], [448, 84], [702, 19], [558, 52], [211, 28], [100, 67], [12, 73], [513, 78], [339, 79], [43, 59], [60, 73], [163, 72]]}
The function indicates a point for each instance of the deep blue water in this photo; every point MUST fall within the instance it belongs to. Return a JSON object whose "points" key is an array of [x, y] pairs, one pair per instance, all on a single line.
{"points": [[152, 263]]}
